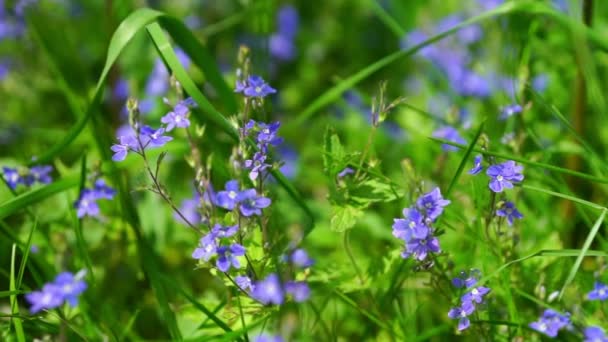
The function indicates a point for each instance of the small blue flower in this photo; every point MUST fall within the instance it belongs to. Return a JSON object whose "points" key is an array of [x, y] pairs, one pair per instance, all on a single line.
{"points": [[127, 143], [103, 191], [229, 198], [411, 226], [477, 167], [154, 138], [450, 134], [177, 118], [595, 334], [87, 205], [299, 290], [268, 338], [504, 175], [40, 174], [12, 177], [256, 165], [66, 287], [509, 211], [244, 282], [420, 248], [71, 287], [257, 87], [49, 297], [599, 292], [347, 171], [510, 110], [300, 258], [475, 294], [268, 134], [551, 322], [207, 248], [432, 204], [269, 290], [224, 231], [227, 256], [461, 314], [252, 204], [190, 209]]}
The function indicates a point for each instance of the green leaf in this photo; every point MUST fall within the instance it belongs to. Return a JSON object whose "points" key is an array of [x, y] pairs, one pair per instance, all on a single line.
{"points": [[373, 190], [344, 218], [13, 300], [583, 252], [334, 154]]}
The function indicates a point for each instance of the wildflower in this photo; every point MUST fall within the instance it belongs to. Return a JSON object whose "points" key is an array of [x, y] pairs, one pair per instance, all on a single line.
{"points": [[599, 292], [12, 177], [432, 203], [229, 198], [70, 286], [475, 294], [509, 211], [450, 134], [251, 203], [268, 338], [412, 226], [154, 138], [207, 248], [477, 167], [269, 290], [595, 334], [66, 287], [48, 298], [300, 258], [466, 280], [257, 165], [227, 256], [177, 118], [127, 143], [504, 175], [87, 205], [551, 322], [256, 87], [268, 134], [510, 110], [103, 191], [289, 157], [461, 314], [419, 248], [40, 173], [244, 282], [345, 172], [189, 209], [299, 290], [224, 231]]}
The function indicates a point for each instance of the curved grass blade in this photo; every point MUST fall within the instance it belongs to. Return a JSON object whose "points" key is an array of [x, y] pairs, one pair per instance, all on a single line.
{"points": [[13, 300], [583, 252], [532, 7], [568, 197], [24, 200], [465, 158]]}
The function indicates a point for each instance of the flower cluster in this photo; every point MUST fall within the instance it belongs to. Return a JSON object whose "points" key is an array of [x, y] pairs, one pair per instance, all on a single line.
{"points": [[551, 322], [216, 243], [86, 205], [265, 135], [254, 86], [599, 292], [502, 176], [470, 300], [416, 230], [273, 289], [27, 176], [282, 45], [66, 287], [248, 201]]}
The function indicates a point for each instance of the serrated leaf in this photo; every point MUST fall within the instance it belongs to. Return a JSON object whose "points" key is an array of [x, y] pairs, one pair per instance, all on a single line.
{"points": [[334, 155], [374, 190], [344, 218]]}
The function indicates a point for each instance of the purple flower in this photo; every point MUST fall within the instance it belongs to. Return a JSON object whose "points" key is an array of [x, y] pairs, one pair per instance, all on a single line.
{"points": [[432, 204], [299, 290], [244, 282], [177, 118], [70, 287], [103, 191], [229, 198], [412, 226], [251, 203], [86, 205], [40, 173], [476, 295], [268, 134], [509, 211], [282, 47], [227, 256], [510, 110], [461, 314], [268, 338], [416, 37], [450, 134], [240, 87], [224, 231], [551, 322], [269, 290], [420, 248], [466, 280], [289, 156], [599, 292], [300, 258], [127, 143], [504, 175], [477, 167], [154, 138], [256, 165], [207, 248], [12, 177], [49, 297], [595, 334], [288, 21], [345, 172], [189, 208], [256, 87]]}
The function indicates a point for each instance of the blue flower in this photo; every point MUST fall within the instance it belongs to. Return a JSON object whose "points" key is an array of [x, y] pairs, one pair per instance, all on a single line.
{"points": [[509, 211], [450, 134], [65, 288], [288, 21], [347, 171], [299, 290], [12, 177], [251, 203], [420, 248], [190, 209], [510, 110], [466, 280], [227, 256], [49, 297], [207, 248], [268, 338], [432, 204], [127, 142], [40, 173], [412, 226], [268, 134], [599, 292], [224, 231], [244, 282], [70, 286], [103, 191], [87, 205], [461, 314], [256, 165], [504, 175], [269, 290], [477, 167], [595, 334], [551, 322], [475, 294], [282, 47], [256, 87], [289, 157], [178, 117], [229, 198], [154, 138], [300, 258]]}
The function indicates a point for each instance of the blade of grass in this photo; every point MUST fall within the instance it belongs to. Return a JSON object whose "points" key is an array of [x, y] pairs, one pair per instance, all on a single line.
{"points": [[80, 243], [26, 254], [568, 197], [465, 159], [10, 293], [579, 258], [13, 299]]}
